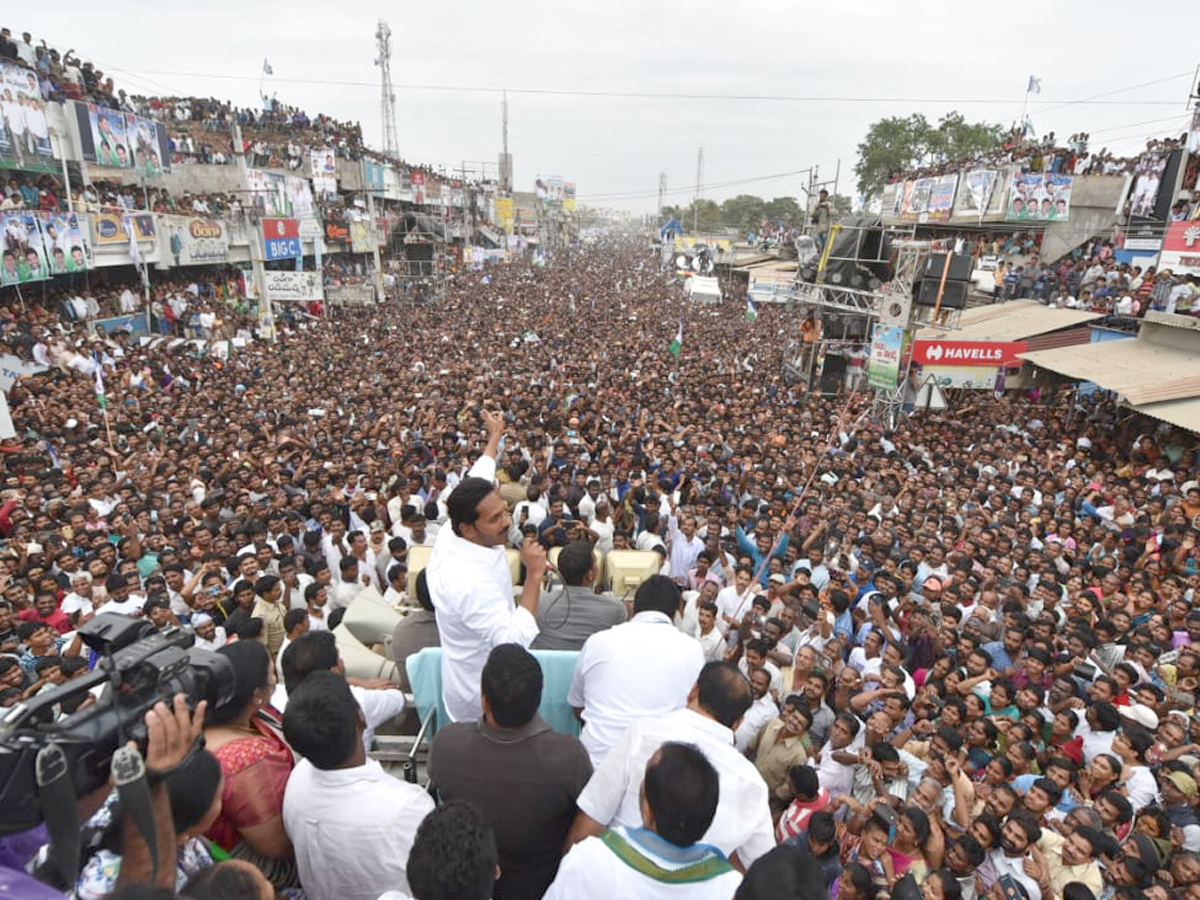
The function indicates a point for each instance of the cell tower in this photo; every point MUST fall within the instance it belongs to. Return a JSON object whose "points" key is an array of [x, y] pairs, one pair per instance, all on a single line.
{"points": [[387, 97], [662, 193]]}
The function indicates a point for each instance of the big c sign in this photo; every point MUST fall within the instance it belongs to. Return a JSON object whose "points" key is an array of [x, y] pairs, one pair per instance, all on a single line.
{"points": [[281, 239]]}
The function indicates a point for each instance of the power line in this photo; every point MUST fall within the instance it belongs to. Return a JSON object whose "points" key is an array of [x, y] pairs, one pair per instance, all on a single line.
{"points": [[690, 188], [669, 95], [1126, 90]]}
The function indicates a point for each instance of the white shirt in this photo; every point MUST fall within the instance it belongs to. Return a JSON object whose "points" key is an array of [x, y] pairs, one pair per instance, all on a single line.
{"points": [[75, 603], [1094, 742], [471, 588], [360, 814], [683, 551], [762, 711], [217, 642], [1015, 867], [713, 644], [131, 605], [643, 667], [731, 604], [378, 706], [742, 823], [836, 777], [592, 870], [1141, 788]]}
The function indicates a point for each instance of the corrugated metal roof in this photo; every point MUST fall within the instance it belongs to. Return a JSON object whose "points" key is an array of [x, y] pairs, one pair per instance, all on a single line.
{"points": [[1184, 413], [754, 259], [1067, 337], [1140, 371], [1012, 321]]}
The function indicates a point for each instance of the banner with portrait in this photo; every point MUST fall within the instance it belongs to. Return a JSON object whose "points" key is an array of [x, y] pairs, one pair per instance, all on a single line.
{"points": [[148, 146], [975, 193], [25, 256], [1147, 179], [324, 173], [196, 240], [24, 130], [67, 242], [117, 140], [280, 196], [1039, 197], [916, 203], [941, 198]]}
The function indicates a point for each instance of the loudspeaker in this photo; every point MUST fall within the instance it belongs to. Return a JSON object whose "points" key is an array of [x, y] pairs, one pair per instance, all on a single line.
{"points": [[833, 374], [953, 297], [894, 310], [960, 267]]}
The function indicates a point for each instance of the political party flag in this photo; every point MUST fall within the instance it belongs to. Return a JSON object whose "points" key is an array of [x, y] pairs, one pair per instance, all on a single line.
{"points": [[1035, 85], [135, 252], [676, 346], [1027, 128], [751, 309], [267, 70], [101, 400]]}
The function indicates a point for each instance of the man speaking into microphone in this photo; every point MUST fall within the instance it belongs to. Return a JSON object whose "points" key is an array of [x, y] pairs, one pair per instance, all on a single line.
{"points": [[470, 582]]}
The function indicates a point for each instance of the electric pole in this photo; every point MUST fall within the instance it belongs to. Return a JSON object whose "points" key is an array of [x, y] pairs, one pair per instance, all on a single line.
{"points": [[699, 191]]}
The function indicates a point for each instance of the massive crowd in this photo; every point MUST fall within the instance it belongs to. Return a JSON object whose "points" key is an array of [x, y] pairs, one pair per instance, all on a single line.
{"points": [[951, 658]]}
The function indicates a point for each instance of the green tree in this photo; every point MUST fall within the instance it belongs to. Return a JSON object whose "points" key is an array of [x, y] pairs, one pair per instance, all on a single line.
{"points": [[898, 144], [783, 209], [701, 215], [743, 212]]}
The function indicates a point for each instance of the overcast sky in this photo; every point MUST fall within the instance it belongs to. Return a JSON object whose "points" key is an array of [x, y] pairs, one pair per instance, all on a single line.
{"points": [[930, 58]]}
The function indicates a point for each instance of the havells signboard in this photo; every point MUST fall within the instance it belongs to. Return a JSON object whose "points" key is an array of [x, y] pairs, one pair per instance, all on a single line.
{"points": [[989, 354]]}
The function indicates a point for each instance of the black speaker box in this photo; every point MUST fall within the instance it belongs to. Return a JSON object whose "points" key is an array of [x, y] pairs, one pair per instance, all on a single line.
{"points": [[953, 297], [960, 267]]}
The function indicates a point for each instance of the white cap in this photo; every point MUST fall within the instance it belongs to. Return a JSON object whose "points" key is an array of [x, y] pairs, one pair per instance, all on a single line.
{"points": [[1140, 713]]}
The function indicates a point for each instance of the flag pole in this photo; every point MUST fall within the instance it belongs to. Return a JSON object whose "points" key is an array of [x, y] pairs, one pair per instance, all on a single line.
{"points": [[108, 429], [1029, 85]]}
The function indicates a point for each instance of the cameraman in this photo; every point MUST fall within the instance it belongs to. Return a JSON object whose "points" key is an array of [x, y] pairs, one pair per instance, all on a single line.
{"points": [[172, 733]]}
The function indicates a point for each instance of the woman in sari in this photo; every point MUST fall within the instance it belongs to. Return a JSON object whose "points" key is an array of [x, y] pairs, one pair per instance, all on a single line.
{"points": [[245, 735], [913, 846]]}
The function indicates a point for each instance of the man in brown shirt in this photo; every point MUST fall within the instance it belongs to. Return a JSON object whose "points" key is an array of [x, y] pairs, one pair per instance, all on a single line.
{"points": [[269, 608], [523, 776]]}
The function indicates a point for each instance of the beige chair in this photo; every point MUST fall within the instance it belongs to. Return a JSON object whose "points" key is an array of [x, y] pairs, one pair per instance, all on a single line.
{"points": [[627, 569], [597, 563], [514, 564], [418, 559]]}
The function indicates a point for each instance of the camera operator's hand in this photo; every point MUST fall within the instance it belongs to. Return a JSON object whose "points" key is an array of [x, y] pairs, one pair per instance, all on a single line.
{"points": [[172, 731]]}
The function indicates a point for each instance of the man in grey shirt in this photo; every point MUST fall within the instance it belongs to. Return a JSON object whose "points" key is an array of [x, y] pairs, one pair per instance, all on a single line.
{"points": [[573, 612], [415, 632]]}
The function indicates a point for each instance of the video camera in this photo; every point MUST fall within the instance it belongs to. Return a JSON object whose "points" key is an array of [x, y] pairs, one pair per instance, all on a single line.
{"points": [[140, 666]]}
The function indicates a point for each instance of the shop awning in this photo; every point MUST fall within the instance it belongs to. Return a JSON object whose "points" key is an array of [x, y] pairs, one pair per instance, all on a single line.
{"points": [[1012, 321], [1141, 372]]}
